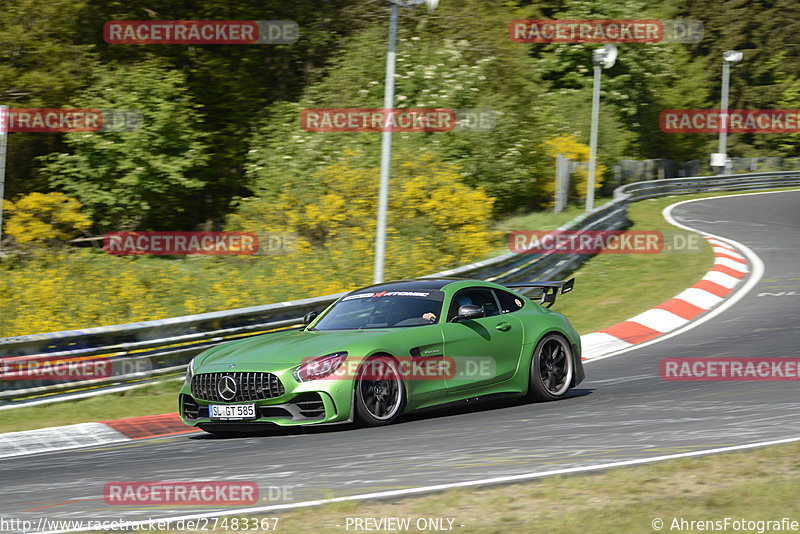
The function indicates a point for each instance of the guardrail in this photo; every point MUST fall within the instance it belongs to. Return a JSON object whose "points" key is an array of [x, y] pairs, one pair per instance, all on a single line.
{"points": [[150, 349]]}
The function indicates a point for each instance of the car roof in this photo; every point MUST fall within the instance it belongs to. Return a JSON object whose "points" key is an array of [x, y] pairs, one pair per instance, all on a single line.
{"points": [[414, 285]]}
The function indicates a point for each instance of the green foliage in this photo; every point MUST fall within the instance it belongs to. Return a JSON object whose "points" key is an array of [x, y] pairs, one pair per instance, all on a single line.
{"points": [[767, 34], [570, 148], [646, 79], [333, 216], [43, 63], [40, 62], [249, 140], [438, 65], [138, 178]]}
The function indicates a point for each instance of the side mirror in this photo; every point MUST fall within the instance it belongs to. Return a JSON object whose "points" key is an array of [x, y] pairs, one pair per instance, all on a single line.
{"points": [[470, 311], [309, 317]]}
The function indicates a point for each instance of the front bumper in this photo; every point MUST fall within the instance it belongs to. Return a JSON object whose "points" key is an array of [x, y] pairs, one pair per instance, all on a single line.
{"points": [[294, 403]]}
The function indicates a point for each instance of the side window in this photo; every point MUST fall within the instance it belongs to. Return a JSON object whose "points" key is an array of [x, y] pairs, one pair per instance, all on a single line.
{"points": [[476, 297], [508, 301]]}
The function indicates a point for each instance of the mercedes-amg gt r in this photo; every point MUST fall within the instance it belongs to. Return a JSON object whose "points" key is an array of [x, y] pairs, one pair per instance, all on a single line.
{"points": [[388, 349]]}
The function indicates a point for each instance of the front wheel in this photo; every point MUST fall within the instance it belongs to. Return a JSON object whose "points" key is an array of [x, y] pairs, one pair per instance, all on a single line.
{"points": [[380, 394], [552, 368]]}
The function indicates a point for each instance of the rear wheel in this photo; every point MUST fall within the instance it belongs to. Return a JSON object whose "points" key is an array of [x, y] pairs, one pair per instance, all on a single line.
{"points": [[552, 368], [380, 394]]}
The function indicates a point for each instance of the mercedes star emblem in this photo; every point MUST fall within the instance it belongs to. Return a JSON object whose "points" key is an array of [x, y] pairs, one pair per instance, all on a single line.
{"points": [[226, 387]]}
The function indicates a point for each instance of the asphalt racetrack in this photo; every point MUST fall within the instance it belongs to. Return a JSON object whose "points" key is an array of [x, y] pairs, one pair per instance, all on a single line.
{"points": [[623, 411]]}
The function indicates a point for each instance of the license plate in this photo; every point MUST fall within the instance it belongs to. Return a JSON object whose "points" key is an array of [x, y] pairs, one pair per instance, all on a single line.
{"points": [[232, 411]]}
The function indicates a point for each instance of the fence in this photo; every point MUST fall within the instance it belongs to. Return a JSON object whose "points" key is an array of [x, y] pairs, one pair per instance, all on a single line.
{"points": [[630, 170]]}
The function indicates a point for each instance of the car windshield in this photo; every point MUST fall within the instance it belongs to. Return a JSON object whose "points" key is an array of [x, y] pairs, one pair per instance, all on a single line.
{"points": [[383, 309]]}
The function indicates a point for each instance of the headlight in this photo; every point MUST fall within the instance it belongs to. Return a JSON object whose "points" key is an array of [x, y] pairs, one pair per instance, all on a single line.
{"points": [[319, 367], [190, 371]]}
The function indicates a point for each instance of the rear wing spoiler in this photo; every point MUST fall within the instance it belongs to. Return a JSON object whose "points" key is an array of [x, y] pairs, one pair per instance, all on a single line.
{"points": [[549, 289]]}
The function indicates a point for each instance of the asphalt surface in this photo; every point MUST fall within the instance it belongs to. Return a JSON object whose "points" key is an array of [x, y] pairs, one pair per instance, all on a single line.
{"points": [[624, 410]]}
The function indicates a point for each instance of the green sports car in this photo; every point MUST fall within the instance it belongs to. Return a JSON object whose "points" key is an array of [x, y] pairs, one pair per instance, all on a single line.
{"points": [[385, 350]]}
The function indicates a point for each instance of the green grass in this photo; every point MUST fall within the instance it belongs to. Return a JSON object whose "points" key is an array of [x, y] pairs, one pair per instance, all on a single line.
{"points": [[609, 288], [543, 220], [758, 484], [148, 400]]}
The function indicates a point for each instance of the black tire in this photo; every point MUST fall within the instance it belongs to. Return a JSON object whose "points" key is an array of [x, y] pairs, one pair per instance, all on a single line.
{"points": [[380, 393], [552, 369]]}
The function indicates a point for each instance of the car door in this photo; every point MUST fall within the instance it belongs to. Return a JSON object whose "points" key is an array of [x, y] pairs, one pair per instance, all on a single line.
{"points": [[425, 370], [485, 350]]}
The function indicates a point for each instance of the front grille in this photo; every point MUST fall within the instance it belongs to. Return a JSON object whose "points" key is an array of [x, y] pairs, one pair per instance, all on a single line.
{"points": [[249, 386]]}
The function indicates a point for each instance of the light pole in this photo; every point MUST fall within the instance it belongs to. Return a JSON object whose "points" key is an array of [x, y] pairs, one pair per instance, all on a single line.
{"points": [[720, 159], [602, 58], [3, 138], [386, 141]]}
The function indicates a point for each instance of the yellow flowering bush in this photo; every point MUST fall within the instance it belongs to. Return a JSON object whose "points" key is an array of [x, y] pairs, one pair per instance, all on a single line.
{"points": [[435, 222], [39, 218], [569, 146]]}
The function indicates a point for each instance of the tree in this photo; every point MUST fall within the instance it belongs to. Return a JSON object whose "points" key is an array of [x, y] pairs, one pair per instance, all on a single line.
{"points": [[767, 34], [435, 221], [42, 64], [569, 147], [439, 65], [139, 178], [233, 83], [645, 80]]}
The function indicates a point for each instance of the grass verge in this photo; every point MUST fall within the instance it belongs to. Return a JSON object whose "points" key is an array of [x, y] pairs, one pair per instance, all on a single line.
{"points": [[152, 399], [755, 485], [543, 220], [611, 288]]}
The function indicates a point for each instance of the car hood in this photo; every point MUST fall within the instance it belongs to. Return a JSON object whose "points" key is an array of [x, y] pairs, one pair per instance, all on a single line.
{"points": [[282, 349]]}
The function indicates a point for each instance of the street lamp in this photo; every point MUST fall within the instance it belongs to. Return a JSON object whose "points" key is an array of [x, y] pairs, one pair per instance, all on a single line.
{"points": [[602, 58], [386, 141], [720, 159], [3, 138]]}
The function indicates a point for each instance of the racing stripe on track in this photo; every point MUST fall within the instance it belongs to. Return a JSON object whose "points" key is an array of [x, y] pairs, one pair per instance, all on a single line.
{"points": [[150, 426], [681, 308], [602, 343], [729, 269], [632, 332], [84, 435]]}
